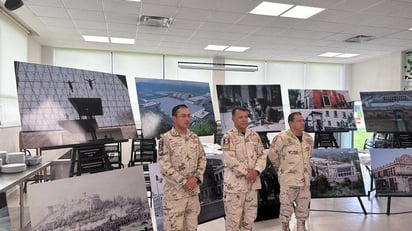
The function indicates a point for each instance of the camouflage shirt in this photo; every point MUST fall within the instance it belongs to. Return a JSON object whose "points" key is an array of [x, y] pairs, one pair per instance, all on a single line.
{"points": [[179, 158], [291, 158], [240, 153]]}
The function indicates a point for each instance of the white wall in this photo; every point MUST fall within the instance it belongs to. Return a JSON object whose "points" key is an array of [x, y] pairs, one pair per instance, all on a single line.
{"points": [[380, 74]]}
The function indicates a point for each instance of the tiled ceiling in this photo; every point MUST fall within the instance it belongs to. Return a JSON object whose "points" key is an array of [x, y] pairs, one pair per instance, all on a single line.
{"points": [[197, 23]]}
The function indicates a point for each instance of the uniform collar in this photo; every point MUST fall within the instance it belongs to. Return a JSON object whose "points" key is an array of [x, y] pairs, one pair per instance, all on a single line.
{"points": [[173, 132], [236, 131]]}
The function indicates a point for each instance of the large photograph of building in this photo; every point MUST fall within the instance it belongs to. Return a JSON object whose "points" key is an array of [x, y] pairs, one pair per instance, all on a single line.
{"points": [[111, 200], [323, 110], [62, 106], [264, 103], [336, 173], [392, 171], [387, 111], [157, 97]]}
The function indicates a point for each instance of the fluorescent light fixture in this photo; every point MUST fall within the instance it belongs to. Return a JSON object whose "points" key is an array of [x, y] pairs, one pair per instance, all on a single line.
{"points": [[338, 55], [215, 47], [217, 66], [99, 39], [330, 54], [410, 28], [237, 49], [134, 0], [347, 55], [302, 12], [121, 40], [270, 8]]}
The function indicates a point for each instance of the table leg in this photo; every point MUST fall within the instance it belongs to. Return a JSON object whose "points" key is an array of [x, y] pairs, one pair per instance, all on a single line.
{"points": [[21, 205]]}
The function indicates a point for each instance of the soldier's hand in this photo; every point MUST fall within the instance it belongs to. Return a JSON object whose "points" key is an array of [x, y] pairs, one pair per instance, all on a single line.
{"points": [[251, 175], [190, 184]]}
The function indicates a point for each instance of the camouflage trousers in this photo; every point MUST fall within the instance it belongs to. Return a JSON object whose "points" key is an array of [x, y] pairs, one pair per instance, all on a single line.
{"points": [[294, 199], [181, 214], [240, 210]]}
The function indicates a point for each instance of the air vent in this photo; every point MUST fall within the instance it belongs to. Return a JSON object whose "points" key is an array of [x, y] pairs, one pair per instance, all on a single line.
{"points": [[360, 39], [155, 21]]}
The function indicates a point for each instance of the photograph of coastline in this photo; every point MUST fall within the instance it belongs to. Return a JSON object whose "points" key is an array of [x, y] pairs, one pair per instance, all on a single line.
{"points": [[157, 97]]}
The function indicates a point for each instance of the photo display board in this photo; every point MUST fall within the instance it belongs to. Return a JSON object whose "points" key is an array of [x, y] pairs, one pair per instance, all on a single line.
{"points": [[264, 103], [387, 111], [157, 97], [323, 110], [392, 171], [336, 173], [111, 200], [63, 106]]}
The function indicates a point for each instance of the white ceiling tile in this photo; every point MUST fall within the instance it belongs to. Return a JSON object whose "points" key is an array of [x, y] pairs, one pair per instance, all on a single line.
{"points": [[159, 10], [192, 14], [43, 11], [121, 18], [90, 24], [122, 27], [62, 22], [83, 4], [87, 14]]}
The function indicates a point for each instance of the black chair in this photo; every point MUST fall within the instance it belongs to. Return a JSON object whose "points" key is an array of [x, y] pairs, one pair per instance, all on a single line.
{"points": [[114, 153], [89, 159]]}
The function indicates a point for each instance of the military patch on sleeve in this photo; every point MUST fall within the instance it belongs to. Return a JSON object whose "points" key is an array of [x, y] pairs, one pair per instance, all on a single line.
{"points": [[225, 143]]}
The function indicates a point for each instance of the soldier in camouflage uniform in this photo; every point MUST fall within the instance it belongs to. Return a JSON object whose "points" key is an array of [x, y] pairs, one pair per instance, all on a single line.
{"points": [[290, 153], [244, 161], [182, 161]]}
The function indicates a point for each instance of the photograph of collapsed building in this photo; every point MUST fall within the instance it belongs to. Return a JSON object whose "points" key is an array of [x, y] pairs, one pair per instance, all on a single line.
{"points": [[336, 173], [264, 103], [392, 171], [63, 106], [157, 97], [323, 110], [387, 111]]}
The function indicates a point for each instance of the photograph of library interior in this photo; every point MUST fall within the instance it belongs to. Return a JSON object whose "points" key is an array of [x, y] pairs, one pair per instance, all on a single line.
{"points": [[233, 115]]}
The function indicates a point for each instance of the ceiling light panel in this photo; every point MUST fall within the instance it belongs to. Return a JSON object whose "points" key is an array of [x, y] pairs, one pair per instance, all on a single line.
{"points": [[330, 54], [270, 8], [237, 49], [347, 55], [99, 39], [215, 47], [302, 12], [121, 40]]}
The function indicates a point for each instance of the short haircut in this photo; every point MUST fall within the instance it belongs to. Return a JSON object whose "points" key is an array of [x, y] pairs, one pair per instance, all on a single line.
{"points": [[291, 116], [238, 109], [177, 107]]}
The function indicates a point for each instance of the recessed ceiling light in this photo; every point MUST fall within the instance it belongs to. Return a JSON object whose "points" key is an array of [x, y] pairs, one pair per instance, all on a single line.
{"points": [[330, 54], [237, 49], [302, 12], [347, 55], [99, 39], [270, 8], [134, 0], [215, 47], [410, 28], [121, 40]]}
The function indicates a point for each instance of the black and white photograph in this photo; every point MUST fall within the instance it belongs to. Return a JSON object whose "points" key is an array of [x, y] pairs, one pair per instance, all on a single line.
{"points": [[157, 97], [264, 103], [336, 173], [323, 110], [392, 171], [62, 106], [4, 213], [111, 200], [387, 111]]}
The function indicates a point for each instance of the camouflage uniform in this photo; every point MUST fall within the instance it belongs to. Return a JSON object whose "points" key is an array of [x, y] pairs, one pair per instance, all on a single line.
{"points": [[291, 159], [241, 152], [179, 158]]}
